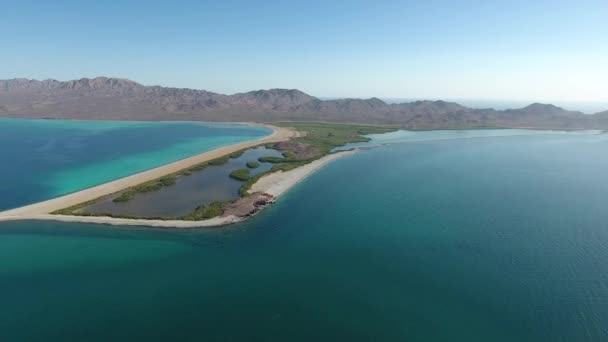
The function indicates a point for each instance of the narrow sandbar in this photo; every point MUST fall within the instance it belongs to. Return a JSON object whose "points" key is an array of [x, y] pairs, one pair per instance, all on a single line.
{"points": [[279, 182], [47, 207], [276, 184], [116, 221]]}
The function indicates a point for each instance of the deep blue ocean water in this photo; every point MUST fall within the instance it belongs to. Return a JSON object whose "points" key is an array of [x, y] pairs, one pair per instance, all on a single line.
{"points": [[42, 159], [488, 239]]}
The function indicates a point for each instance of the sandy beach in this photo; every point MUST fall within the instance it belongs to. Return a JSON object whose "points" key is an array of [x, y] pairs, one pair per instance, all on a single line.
{"points": [[275, 184], [47, 207], [278, 183], [115, 221]]}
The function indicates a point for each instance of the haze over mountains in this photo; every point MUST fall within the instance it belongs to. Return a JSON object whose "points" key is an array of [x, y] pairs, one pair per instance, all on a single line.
{"points": [[122, 99]]}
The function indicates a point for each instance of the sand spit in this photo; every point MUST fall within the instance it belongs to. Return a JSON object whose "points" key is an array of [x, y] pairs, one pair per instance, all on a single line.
{"points": [[47, 207], [115, 221], [279, 182], [274, 184]]}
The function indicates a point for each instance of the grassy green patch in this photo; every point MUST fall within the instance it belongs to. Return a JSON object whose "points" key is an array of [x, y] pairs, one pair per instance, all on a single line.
{"points": [[240, 174], [289, 166], [73, 209], [224, 159], [198, 167], [249, 183], [146, 187], [205, 212], [219, 161], [273, 160], [326, 136], [236, 154]]}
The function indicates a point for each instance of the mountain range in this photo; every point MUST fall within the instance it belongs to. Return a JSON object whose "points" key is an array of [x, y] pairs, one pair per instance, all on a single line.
{"points": [[121, 99]]}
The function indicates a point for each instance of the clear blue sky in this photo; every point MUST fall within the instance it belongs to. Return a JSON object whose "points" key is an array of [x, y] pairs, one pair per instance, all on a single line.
{"points": [[518, 50]]}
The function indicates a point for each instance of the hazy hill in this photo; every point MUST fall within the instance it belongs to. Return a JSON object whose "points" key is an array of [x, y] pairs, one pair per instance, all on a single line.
{"points": [[121, 99]]}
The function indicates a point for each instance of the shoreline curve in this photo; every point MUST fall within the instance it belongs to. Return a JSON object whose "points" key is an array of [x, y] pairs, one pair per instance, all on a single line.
{"points": [[92, 193], [276, 184]]}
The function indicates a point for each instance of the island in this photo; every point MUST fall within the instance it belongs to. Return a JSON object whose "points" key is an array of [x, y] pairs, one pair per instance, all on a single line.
{"points": [[293, 151]]}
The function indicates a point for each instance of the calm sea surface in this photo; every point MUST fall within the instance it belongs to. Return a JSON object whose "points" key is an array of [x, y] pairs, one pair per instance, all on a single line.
{"points": [[488, 239], [42, 159]]}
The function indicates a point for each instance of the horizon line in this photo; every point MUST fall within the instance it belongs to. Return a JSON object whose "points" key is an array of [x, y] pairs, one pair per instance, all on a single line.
{"points": [[386, 99]]}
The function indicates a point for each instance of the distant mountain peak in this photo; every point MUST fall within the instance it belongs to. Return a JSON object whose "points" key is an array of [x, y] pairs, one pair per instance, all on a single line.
{"points": [[102, 83], [122, 99], [542, 106], [279, 91], [276, 98], [376, 101]]}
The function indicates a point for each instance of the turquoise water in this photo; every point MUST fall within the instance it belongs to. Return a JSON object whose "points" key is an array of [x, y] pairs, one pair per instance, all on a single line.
{"points": [[402, 136], [493, 239], [42, 159]]}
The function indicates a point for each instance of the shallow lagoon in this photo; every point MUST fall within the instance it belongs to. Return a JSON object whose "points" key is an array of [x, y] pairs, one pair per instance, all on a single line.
{"points": [[209, 185], [42, 159]]}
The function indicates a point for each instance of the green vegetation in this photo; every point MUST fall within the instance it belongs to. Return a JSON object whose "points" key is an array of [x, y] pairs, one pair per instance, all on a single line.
{"points": [[146, 187], [289, 154], [205, 212], [289, 166], [236, 154], [202, 212], [153, 185], [73, 210], [249, 183], [198, 167], [219, 161], [125, 196], [240, 174], [171, 179], [223, 160], [273, 160], [323, 136], [279, 167], [326, 136]]}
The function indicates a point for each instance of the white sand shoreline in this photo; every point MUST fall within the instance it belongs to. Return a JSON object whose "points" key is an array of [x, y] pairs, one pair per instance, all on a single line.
{"points": [[276, 184], [117, 221], [85, 195]]}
